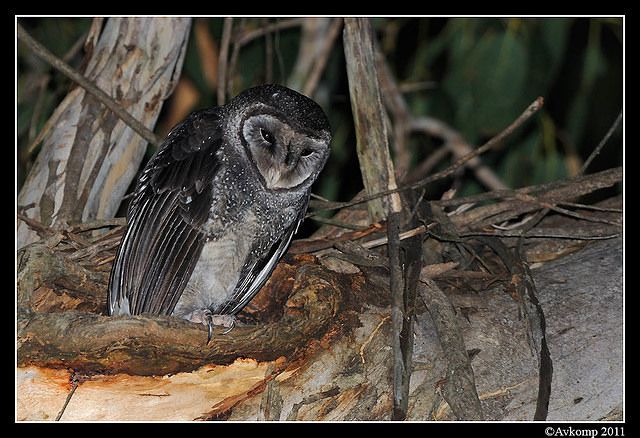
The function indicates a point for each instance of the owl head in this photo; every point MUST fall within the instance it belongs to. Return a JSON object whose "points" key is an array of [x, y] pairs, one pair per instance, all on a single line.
{"points": [[285, 135]]}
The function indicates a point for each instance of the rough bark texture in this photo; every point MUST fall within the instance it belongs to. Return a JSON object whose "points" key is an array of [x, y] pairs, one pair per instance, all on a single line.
{"points": [[315, 344], [90, 156], [372, 145]]}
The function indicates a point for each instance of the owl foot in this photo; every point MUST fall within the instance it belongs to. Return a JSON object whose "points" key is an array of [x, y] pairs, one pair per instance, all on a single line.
{"points": [[228, 321], [206, 317]]}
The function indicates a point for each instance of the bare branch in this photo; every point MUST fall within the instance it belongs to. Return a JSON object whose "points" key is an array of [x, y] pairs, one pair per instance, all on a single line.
{"points": [[531, 109]]}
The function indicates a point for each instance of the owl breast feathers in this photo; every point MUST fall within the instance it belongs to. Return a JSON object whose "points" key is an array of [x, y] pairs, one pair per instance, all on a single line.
{"points": [[216, 206]]}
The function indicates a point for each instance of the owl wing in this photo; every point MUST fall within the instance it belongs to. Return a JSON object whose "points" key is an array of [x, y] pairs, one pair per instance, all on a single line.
{"points": [[255, 273], [161, 244]]}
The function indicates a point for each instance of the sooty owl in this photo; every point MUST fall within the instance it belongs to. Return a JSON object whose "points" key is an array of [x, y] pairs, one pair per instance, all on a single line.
{"points": [[216, 207]]}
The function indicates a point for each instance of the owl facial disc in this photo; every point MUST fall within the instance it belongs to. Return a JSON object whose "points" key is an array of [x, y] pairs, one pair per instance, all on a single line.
{"points": [[284, 155]]}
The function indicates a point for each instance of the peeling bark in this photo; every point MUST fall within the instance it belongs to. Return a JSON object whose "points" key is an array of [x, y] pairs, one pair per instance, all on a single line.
{"points": [[90, 156], [315, 344]]}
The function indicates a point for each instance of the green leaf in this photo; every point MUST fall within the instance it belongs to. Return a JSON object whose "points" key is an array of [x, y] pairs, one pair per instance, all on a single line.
{"points": [[488, 84]]}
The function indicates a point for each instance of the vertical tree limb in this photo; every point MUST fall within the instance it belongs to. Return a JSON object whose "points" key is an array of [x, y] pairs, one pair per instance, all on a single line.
{"points": [[318, 38], [378, 175], [366, 103], [396, 281], [405, 263], [223, 60]]}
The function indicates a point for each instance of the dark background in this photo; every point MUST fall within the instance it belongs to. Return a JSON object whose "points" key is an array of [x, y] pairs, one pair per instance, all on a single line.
{"points": [[475, 74]]}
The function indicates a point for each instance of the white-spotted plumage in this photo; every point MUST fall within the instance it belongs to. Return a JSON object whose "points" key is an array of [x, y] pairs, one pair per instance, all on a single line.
{"points": [[217, 205]]}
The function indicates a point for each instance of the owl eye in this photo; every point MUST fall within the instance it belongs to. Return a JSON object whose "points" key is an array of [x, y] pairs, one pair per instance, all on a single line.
{"points": [[306, 152], [267, 136]]}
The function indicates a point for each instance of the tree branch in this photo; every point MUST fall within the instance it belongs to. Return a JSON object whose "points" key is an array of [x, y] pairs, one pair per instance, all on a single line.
{"points": [[88, 85], [366, 103], [531, 109]]}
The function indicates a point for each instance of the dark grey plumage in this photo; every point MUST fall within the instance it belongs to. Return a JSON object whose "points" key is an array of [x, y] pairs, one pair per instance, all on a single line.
{"points": [[216, 206]]}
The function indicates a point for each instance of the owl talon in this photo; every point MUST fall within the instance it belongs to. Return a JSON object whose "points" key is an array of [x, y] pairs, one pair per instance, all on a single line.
{"points": [[210, 325], [228, 321], [206, 317], [233, 325]]}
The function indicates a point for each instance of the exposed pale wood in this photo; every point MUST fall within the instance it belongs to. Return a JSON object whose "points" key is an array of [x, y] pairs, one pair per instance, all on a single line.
{"points": [[341, 370]]}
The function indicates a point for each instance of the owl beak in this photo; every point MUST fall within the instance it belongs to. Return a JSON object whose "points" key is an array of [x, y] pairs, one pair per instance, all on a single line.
{"points": [[290, 160], [272, 177], [276, 174]]}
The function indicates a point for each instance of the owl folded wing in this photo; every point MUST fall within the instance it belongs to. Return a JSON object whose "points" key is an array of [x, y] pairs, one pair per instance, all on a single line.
{"points": [[161, 244]]}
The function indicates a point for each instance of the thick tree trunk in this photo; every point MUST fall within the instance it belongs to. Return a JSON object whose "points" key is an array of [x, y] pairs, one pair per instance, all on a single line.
{"points": [[90, 156]]}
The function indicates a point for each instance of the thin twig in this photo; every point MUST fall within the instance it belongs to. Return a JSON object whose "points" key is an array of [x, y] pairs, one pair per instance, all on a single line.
{"points": [[405, 123], [512, 206], [596, 151], [551, 205], [401, 236], [523, 286], [269, 28], [75, 382], [223, 59], [321, 60], [233, 60], [537, 234], [544, 212], [531, 109], [268, 54], [35, 225], [88, 85], [583, 184], [458, 146], [301, 246]]}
